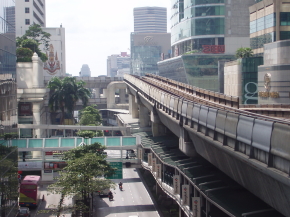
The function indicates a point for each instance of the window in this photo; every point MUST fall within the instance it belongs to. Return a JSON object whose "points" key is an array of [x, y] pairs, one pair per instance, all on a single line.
{"points": [[27, 21], [26, 0], [27, 10], [285, 18]]}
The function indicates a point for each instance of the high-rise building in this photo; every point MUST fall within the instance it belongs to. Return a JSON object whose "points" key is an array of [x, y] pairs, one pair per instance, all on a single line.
{"points": [[146, 50], [29, 12], [118, 64], [269, 22], [150, 19], [85, 71], [8, 96], [203, 33], [8, 110]]}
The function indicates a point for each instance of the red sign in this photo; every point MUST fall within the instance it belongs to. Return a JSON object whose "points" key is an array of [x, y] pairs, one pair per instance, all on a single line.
{"points": [[213, 49], [48, 153]]}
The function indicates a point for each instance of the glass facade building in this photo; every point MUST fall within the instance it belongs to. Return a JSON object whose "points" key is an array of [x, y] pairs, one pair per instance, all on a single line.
{"points": [[146, 50], [269, 22], [8, 180], [8, 87]]}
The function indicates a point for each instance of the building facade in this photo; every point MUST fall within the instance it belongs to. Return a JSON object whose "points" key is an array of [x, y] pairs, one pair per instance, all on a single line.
{"points": [[29, 12], [118, 64], [203, 33], [150, 19], [85, 71], [8, 110], [56, 63], [269, 22], [146, 50], [8, 88]]}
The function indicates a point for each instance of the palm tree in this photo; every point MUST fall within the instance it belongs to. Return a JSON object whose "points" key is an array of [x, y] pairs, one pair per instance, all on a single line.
{"points": [[65, 93], [244, 52]]}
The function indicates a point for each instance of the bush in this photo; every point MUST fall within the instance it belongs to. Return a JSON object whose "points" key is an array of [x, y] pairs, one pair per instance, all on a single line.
{"points": [[24, 55]]}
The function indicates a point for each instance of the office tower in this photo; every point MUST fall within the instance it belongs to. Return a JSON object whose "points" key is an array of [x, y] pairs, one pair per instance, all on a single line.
{"points": [[269, 22], [118, 65], [8, 110], [150, 19], [85, 71], [29, 12], [202, 34]]}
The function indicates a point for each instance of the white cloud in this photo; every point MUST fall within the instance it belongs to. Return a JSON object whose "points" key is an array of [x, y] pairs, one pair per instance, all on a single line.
{"points": [[95, 29]]}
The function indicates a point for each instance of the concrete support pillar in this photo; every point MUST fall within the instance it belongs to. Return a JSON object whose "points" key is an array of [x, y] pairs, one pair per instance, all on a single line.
{"points": [[104, 93], [158, 129], [185, 143], [143, 116], [122, 95], [36, 106], [133, 107], [97, 92], [35, 68]]}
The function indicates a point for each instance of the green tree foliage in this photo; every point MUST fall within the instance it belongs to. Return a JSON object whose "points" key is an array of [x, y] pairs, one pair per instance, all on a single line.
{"points": [[24, 55], [244, 52], [82, 175], [33, 37], [90, 116], [86, 133], [64, 94]]}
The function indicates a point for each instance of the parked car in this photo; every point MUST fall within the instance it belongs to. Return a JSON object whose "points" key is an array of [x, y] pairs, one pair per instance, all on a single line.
{"points": [[23, 211]]}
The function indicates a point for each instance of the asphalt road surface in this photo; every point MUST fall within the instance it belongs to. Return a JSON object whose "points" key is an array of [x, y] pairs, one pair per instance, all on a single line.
{"points": [[134, 200]]}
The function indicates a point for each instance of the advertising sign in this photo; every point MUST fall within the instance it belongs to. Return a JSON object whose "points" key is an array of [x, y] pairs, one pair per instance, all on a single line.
{"points": [[25, 109], [154, 164], [176, 184], [158, 171], [196, 206], [150, 159], [185, 195], [140, 153], [213, 49], [30, 165]]}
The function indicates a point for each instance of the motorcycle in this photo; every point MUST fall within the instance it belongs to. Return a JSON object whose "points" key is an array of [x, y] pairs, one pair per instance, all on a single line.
{"points": [[121, 187], [111, 197]]}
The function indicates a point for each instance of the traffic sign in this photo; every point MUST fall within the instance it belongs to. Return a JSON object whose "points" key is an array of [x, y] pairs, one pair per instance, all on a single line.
{"points": [[119, 172]]}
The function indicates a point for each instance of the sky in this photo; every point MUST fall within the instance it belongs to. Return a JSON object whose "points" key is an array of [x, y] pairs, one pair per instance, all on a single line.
{"points": [[96, 29]]}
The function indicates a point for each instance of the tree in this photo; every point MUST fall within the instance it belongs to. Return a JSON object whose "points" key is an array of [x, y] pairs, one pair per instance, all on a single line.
{"points": [[64, 94], [33, 37], [244, 52], [82, 175], [90, 116]]}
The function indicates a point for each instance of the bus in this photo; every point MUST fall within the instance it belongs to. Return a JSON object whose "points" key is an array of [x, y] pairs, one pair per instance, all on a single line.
{"points": [[29, 191]]}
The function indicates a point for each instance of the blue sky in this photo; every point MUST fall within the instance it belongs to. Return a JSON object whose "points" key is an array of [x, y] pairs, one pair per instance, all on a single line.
{"points": [[95, 29]]}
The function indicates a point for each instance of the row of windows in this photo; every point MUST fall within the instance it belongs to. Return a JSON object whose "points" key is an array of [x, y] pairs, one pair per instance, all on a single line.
{"points": [[263, 23], [204, 11], [189, 3], [269, 21], [195, 27], [259, 41]]}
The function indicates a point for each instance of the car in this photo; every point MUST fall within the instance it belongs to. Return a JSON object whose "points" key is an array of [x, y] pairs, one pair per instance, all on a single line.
{"points": [[23, 211]]}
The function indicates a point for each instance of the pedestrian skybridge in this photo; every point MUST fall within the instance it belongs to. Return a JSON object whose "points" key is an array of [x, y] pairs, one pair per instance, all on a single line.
{"points": [[64, 143]]}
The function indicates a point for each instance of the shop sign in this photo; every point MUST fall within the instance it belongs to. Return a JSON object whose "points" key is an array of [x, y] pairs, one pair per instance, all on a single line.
{"points": [[25, 109], [215, 49]]}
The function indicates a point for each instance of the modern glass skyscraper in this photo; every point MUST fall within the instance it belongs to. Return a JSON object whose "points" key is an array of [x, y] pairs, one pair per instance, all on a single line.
{"points": [[204, 32], [8, 88], [150, 19]]}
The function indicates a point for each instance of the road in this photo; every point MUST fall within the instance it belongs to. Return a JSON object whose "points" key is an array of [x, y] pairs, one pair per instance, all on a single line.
{"points": [[134, 200]]}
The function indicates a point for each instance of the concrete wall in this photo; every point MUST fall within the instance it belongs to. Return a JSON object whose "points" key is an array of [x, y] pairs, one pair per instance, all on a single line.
{"points": [[276, 69], [233, 78], [30, 74]]}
